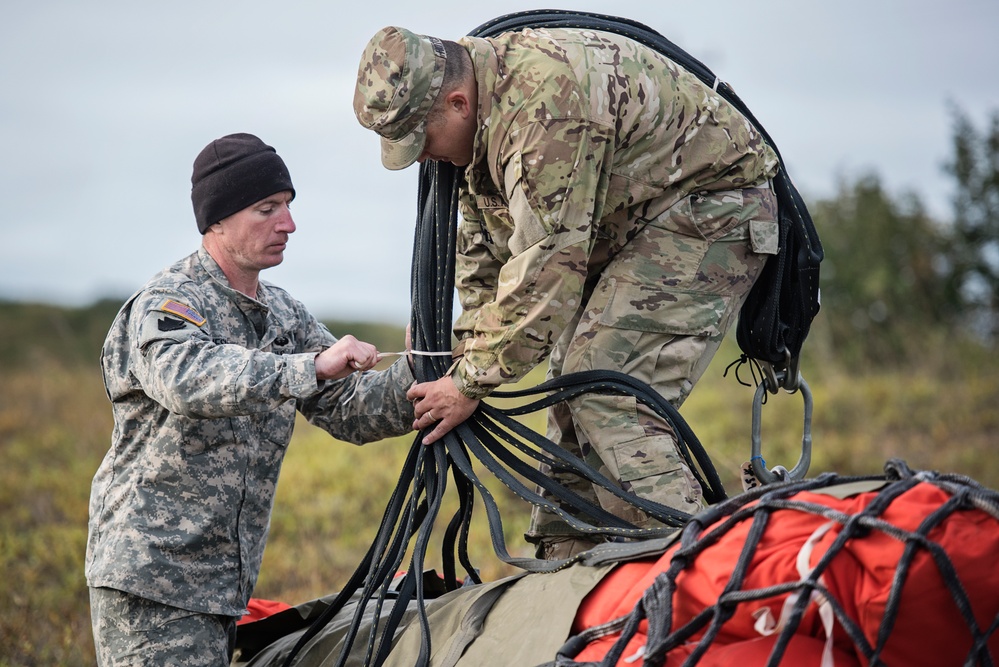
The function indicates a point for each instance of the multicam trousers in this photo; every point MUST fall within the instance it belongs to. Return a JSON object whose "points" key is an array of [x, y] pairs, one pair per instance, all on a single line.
{"points": [[134, 631], [658, 312]]}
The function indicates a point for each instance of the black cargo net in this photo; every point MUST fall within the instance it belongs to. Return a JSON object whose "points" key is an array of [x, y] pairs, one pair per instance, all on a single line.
{"points": [[760, 507]]}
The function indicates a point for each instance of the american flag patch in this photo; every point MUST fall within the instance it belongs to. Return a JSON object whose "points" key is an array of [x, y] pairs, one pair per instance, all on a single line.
{"points": [[186, 312]]}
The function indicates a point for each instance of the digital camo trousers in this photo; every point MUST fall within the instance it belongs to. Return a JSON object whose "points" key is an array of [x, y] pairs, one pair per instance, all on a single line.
{"points": [[658, 312], [134, 631]]}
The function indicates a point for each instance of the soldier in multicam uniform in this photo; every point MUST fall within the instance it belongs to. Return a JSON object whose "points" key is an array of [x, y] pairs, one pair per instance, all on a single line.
{"points": [[206, 367], [615, 213]]}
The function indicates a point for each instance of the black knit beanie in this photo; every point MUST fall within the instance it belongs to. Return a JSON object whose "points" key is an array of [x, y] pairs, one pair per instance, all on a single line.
{"points": [[232, 173]]}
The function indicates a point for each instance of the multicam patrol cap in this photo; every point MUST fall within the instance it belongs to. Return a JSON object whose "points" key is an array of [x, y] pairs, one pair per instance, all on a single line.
{"points": [[398, 80]]}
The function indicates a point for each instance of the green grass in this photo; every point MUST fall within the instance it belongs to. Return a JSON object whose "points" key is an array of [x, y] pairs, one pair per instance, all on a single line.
{"points": [[55, 426], [54, 429]]}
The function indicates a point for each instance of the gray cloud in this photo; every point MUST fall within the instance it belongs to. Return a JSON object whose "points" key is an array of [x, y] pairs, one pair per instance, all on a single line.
{"points": [[104, 105]]}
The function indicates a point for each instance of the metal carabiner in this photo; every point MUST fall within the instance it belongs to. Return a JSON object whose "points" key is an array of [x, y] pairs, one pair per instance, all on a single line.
{"points": [[779, 473]]}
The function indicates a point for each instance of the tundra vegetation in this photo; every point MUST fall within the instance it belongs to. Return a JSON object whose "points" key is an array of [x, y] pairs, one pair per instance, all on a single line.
{"points": [[901, 362]]}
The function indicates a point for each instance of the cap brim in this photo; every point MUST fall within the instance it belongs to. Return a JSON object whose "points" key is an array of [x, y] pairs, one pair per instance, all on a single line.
{"points": [[403, 152]]}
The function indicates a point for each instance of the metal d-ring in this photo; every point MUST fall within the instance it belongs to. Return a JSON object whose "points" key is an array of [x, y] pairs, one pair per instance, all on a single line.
{"points": [[779, 473]]}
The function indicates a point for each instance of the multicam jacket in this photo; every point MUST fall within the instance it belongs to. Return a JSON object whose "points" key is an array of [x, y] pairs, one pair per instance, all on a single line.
{"points": [[583, 137], [205, 383]]}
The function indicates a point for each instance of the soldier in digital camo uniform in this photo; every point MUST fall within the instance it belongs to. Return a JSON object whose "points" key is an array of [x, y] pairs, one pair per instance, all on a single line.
{"points": [[615, 213], [206, 367]]}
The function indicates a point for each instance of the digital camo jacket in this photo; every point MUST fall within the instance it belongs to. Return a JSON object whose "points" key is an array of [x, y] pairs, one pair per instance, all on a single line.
{"points": [[205, 383], [584, 137]]}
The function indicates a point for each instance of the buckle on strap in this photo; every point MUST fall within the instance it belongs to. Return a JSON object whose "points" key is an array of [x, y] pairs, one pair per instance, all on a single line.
{"points": [[781, 376]]}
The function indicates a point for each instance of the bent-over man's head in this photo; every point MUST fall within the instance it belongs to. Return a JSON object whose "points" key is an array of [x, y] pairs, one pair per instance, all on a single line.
{"points": [[418, 93]]}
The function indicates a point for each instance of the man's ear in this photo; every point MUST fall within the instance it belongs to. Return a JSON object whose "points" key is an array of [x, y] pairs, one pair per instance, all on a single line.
{"points": [[458, 101]]}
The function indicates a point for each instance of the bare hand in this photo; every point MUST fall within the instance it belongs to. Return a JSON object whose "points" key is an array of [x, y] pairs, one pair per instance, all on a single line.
{"points": [[440, 402], [345, 356]]}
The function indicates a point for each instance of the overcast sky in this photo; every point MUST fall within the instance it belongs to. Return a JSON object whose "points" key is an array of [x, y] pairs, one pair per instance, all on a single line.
{"points": [[104, 105]]}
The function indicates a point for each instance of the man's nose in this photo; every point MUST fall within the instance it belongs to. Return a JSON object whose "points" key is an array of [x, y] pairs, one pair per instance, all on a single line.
{"points": [[286, 223]]}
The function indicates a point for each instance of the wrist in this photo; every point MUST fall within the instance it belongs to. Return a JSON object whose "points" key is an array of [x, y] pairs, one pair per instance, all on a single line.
{"points": [[467, 386], [319, 367]]}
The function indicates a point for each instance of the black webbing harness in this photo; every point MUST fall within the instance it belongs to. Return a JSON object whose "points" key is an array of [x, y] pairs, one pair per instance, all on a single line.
{"points": [[491, 435]]}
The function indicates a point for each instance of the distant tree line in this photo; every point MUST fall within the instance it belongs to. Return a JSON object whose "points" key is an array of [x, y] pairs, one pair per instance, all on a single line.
{"points": [[35, 334], [896, 282]]}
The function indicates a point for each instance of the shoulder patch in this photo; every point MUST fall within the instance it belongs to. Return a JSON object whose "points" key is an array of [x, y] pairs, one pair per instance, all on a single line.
{"points": [[183, 311], [169, 324]]}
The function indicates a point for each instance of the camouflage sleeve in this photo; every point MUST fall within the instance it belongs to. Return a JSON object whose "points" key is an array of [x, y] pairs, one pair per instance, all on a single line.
{"points": [[554, 181], [317, 336], [477, 267], [364, 407], [182, 368]]}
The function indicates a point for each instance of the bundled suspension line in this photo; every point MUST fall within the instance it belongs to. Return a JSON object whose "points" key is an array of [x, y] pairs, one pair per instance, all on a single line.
{"points": [[491, 436]]}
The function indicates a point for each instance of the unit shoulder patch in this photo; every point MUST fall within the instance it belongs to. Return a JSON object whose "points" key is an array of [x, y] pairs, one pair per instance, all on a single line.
{"points": [[170, 324], [183, 311]]}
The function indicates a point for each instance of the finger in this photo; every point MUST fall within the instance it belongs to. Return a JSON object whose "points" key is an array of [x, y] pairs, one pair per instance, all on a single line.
{"points": [[435, 435], [420, 422], [425, 421]]}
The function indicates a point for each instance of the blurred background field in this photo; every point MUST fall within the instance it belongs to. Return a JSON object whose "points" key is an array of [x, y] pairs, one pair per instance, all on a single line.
{"points": [[901, 362], [55, 425]]}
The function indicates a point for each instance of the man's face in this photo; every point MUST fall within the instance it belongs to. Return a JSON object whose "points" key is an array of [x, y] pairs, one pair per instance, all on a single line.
{"points": [[451, 134], [255, 238]]}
